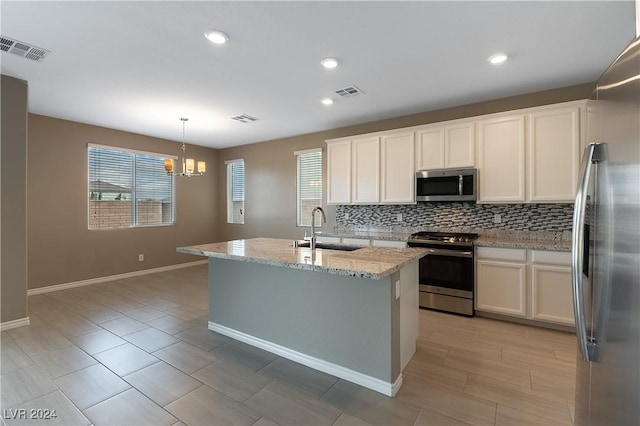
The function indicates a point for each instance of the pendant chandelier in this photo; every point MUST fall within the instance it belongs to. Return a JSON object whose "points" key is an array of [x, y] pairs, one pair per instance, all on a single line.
{"points": [[188, 164]]}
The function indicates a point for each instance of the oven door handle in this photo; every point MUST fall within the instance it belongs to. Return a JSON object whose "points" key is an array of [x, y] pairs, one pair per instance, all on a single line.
{"points": [[445, 252]]}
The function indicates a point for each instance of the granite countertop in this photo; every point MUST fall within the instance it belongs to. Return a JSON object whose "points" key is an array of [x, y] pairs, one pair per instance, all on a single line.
{"points": [[533, 240], [522, 243], [367, 262]]}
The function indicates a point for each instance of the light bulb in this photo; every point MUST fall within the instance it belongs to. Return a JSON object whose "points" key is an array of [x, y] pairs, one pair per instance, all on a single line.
{"points": [[217, 37], [189, 165], [498, 58], [329, 63]]}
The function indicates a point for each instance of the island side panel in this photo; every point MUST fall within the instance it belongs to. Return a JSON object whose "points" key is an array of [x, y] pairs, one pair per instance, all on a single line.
{"points": [[348, 321]]}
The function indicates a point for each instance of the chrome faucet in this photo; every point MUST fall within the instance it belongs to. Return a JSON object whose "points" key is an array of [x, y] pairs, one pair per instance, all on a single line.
{"points": [[312, 244]]}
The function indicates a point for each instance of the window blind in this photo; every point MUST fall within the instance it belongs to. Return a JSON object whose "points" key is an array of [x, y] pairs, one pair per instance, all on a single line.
{"points": [[309, 185], [128, 189], [235, 191], [237, 181]]}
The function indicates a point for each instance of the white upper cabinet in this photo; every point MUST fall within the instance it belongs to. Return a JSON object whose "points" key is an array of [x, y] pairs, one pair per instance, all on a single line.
{"points": [[533, 156], [365, 170], [339, 172], [371, 169], [526, 156], [501, 159], [445, 146], [553, 156], [397, 168], [430, 148]]}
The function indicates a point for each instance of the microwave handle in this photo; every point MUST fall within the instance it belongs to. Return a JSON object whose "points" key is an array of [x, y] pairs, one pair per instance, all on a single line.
{"points": [[459, 184]]}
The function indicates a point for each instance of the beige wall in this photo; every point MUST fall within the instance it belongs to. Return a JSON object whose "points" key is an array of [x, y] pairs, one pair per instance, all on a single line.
{"points": [[13, 198], [60, 247], [270, 167]]}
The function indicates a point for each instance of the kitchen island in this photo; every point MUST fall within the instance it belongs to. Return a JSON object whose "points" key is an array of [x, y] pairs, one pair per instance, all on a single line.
{"points": [[352, 314]]}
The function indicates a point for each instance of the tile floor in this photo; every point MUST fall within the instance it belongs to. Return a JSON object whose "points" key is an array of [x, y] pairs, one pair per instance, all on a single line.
{"points": [[137, 352]]}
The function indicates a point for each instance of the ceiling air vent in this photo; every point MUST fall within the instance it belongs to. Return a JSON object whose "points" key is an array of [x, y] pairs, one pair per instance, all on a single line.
{"points": [[348, 92], [24, 50], [244, 118]]}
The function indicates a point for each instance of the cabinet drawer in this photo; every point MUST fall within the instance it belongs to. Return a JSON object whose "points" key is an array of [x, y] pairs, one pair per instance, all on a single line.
{"points": [[551, 257], [388, 243], [517, 255], [356, 241]]}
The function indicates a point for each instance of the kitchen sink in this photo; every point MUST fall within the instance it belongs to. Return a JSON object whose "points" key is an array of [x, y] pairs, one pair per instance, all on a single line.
{"points": [[330, 246]]}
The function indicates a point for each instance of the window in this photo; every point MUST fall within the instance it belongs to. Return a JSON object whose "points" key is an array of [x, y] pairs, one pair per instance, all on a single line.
{"points": [[128, 189], [309, 184], [235, 191]]}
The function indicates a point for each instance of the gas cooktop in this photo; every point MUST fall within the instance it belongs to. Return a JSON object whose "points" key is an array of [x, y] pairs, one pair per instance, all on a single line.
{"points": [[443, 237]]}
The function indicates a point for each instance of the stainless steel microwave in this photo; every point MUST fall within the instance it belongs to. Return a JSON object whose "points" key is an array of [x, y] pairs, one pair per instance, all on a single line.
{"points": [[447, 184]]}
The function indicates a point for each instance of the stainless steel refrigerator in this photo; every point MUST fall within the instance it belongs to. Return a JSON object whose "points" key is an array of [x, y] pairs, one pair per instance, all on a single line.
{"points": [[606, 251]]}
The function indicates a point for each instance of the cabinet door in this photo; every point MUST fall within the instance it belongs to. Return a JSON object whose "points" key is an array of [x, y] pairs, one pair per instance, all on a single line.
{"points": [[553, 160], [501, 159], [398, 173], [459, 146], [551, 293], [365, 171], [501, 287], [339, 172], [430, 148]]}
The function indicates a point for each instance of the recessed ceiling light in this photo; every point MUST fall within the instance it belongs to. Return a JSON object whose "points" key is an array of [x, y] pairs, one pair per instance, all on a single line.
{"points": [[217, 37], [329, 63], [327, 101], [498, 58]]}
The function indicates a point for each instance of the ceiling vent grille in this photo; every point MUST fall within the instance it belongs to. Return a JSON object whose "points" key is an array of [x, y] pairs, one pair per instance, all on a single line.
{"points": [[244, 118], [348, 92], [24, 50]]}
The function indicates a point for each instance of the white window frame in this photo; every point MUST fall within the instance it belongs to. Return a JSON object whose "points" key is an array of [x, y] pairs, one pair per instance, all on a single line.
{"points": [[134, 211], [231, 217], [300, 221]]}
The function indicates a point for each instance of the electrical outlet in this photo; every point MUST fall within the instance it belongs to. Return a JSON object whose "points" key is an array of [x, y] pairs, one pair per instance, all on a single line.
{"points": [[497, 218], [141, 258], [346, 216], [397, 289], [399, 217]]}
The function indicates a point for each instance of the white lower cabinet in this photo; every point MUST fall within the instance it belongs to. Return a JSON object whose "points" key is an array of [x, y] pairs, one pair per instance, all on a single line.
{"points": [[551, 288], [533, 284], [501, 281]]}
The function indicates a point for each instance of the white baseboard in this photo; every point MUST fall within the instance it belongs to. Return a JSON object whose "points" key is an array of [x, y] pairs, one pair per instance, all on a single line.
{"points": [[99, 280], [385, 388], [8, 325]]}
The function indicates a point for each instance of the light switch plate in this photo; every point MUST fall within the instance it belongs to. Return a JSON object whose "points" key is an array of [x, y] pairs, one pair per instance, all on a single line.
{"points": [[397, 289], [399, 217]]}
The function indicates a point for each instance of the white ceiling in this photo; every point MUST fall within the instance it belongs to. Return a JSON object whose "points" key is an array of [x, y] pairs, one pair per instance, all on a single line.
{"points": [[139, 66]]}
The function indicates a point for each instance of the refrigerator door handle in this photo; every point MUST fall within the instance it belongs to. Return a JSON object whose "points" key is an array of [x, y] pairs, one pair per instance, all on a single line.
{"points": [[593, 154]]}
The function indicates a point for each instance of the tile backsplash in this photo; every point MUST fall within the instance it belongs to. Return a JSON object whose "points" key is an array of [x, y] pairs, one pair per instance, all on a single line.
{"points": [[462, 216]]}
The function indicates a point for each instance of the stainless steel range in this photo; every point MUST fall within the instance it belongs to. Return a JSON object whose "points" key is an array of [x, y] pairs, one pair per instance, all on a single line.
{"points": [[447, 273]]}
